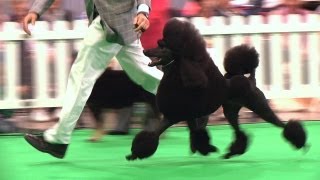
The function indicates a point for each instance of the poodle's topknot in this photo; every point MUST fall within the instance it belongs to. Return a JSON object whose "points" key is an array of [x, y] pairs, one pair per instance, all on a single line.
{"points": [[181, 35], [241, 59]]}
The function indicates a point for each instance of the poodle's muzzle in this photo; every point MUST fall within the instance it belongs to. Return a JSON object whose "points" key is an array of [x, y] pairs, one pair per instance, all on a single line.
{"points": [[159, 56]]}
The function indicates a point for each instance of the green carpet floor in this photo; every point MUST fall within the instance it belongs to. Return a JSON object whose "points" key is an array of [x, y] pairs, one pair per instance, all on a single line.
{"points": [[269, 157]]}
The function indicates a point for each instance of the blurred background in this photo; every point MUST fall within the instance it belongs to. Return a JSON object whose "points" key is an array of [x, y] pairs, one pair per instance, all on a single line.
{"points": [[34, 70]]}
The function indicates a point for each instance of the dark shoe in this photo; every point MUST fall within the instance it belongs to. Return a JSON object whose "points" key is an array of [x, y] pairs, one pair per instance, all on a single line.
{"points": [[38, 142], [116, 132]]}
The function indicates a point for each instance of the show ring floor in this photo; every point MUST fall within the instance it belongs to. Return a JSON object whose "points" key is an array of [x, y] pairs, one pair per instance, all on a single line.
{"points": [[269, 157]]}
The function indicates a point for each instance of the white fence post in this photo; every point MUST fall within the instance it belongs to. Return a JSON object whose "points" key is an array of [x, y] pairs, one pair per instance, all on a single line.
{"points": [[237, 39], [295, 46], [256, 41], [219, 42], [41, 70], [12, 74], [276, 56], [313, 52], [62, 59]]}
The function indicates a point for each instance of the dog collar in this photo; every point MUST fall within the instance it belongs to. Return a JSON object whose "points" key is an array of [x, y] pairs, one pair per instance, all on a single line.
{"points": [[164, 66]]}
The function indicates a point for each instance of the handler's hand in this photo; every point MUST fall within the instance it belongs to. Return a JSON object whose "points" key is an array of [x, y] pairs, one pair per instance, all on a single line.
{"points": [[31, 17], [141, 23]]}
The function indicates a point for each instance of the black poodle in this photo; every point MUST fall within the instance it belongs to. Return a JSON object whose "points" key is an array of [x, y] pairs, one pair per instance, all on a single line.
{"points": [[193, 87], [115, 90]]}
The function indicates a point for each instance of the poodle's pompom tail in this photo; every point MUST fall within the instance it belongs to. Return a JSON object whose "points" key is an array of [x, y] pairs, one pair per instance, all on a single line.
{"points": [[295, 134], [200, 141], [240, 60], [144, 145]]}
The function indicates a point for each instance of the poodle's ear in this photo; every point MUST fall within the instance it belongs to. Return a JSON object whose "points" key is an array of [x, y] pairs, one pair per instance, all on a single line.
{"points": [[192, 75]]}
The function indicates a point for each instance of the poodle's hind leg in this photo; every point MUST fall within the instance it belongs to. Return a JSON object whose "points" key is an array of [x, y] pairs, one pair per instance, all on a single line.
{"points": [[240, 144], [146, 143], [293, 131], [99, 129], [199, 136]]}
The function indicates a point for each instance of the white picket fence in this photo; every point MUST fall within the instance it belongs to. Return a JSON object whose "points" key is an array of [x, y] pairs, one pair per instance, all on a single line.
{"points": [[274, 76], [297, 76], [61, 37]]}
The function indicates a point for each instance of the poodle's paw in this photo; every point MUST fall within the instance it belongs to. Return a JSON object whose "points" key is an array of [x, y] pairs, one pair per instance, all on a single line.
{"points": [[213, 148], [144, 145], [295, 134], [239, 146], [229, 155], [93, 139], [131, 157], [97, 136], [207, 150], [200, 141], [192, 148]]}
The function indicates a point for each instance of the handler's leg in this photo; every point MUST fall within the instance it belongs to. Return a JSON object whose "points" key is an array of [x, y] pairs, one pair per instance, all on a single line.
{"points": [[91, 61], [135, 63]]}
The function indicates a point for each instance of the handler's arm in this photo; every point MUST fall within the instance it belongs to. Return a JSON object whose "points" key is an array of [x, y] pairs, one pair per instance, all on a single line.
{"points": [[141, 21], [37, 9]]}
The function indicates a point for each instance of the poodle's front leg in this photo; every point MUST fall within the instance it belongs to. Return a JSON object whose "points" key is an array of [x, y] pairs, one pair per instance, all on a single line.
{"points": [[163, 125], [146, 143], [199, 136], [240, 144]]}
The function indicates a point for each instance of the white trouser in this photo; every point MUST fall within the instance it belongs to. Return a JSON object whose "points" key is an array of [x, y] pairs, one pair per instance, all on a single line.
{"points": [[93, 58]]}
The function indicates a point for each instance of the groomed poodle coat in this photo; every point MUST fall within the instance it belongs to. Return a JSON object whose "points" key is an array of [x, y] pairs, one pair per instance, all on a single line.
{"points": [[193, 87], [115, 90]]}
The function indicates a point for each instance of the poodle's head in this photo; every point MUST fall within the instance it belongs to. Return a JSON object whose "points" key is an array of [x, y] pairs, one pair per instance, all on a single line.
{"points": [[182, 36], [160, 55], [183, 46], [181, 40]]}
